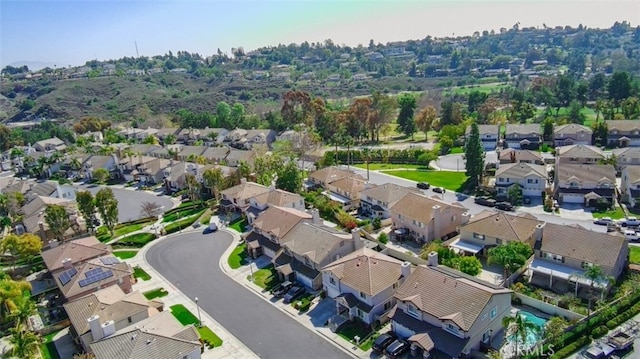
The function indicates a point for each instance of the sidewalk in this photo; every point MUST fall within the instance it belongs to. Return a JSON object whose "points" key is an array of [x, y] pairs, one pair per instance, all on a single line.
{"points": [[241, 274], [232, 348]]}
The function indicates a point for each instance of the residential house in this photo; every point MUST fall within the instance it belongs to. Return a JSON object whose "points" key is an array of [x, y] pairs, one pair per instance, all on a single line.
{"points": [[59, 256], [630, 185], [95, 136], [489, 229], [527, 137], [271, 225], [275, 197], [33, 217], [424, 219], [564, 253], [92, 163], [259, 137], [626, 156], [377, 200], [489, 136], [572, 134], [215, 154], [531, 178], [164, 132], [142, 148], [308, 247], [322, 177], [235, 135], [443, 312], [190, 153], [99, 314], [128, 167], [346, 191], [362, 284], [584, 184], [237, 198], [510, 155], [50, 145], [623, 133], [579, 154], [152, 172], [160, 336], [235, 157]]}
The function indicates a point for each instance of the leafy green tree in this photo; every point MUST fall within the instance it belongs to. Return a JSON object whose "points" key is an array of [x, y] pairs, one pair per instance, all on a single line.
{"points": [[518, 327], [22, 247], [619, 87], [474, 156], [107, 206], [223, 115], [101, 175], [425, 119], [26, 344], [382, 110], [24, 308], [407, 103], [10, 292], [213, 179], [289, 177], [575, 112], [514, 193], [469, 265], [169, 139], [87, 207], [476, 99], [57, 219], [554, 327], [150, 140], [511, 256], [193, 187]]}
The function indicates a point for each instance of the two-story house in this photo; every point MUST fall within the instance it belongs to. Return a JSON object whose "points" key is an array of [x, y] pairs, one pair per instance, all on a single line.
{"points": [[50, 145], [526, 137], [488, 229], [510, 155], [191, 153], [100, 314], [92, 163], [235, 157], [489, 136], [271, 225], [579, 155], [275, 197], [627, 156], [346, 191], [33, 217], [623, 133], [424, 219], [572, 134], [630, 185], [237, 198], [376, 201], [584, 183], [441, 310], [362, 284], [322, 177], [563, 253], [259, 137], [531, 178], [308, 247]]}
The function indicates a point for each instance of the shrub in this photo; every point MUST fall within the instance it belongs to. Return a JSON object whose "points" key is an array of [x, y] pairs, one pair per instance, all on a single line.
{"points": [[181, 224], [383, 238], [377, 223], [571, 348], [599, 331]]}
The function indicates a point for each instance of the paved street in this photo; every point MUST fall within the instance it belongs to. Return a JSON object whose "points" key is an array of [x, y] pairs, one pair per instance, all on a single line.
{"points": [[129, 201], [190, 262]]}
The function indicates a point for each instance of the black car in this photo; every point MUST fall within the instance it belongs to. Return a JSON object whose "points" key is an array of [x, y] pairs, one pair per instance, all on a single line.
{"points": [[382, 342], [396, 349], [281, 289], [485, 201], [439, 190], [294, 293], [423, 185], [505, 206]]}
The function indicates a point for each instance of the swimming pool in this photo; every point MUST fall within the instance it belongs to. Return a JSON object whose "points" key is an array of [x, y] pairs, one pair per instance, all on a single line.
{"points": [[532, 337]]}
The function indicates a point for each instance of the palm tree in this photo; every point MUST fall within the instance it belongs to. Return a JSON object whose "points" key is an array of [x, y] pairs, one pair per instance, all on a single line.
{"points": [[193, 186], [518, 327], [26, 344], [10, 292], [169, 139], [213, 179], [595, 275], [24, 308], [106, 151]]}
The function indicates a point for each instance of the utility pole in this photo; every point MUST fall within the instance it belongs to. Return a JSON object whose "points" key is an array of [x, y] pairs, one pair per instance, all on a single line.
{"points": [[137, 53]]}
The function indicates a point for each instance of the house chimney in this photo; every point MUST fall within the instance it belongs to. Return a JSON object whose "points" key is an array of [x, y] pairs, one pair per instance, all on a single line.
{"points": [[357, 241], [538, 232], [108, 328], [432, 259], [43, 232], [466, 216], [67, 263], [406, 269], [436, 222], [315, 216], [96, 327]]}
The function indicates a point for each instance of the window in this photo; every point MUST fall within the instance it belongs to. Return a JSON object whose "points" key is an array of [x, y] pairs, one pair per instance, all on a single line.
{"points": [[531, 180], [129, 319], [363, 295], [361, 313], [453, 218], [586, 265], [478, 236], [387, 305], [332, 280], [501, 179], [494, 312], [412, 310]]}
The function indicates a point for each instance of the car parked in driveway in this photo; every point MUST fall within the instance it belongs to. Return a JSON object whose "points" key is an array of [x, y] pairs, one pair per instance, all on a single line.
{"points": [[396, 349], [294, 293], [281, 289], [423, 185], [485, 201], [631, 235], [383, 341], [604, 221]]}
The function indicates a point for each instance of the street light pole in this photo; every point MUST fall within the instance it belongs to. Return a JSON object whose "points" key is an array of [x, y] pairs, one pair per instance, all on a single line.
{"points": [[251, 268], [198, 308]]}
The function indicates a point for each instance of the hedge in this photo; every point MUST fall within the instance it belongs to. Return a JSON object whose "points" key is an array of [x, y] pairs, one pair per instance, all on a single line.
{"points": [[182, 224], [571, 348], [137, 240]]}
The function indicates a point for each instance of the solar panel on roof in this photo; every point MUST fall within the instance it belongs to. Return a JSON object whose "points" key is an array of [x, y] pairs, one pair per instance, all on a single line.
{"points": [[64, 278], [72, 272], [105, 261], [83, 282]]}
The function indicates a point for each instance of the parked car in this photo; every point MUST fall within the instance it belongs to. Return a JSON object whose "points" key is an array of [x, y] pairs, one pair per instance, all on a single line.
{"points": [[631, 235], [383, 341], [485, 201], [294, 293], [439, 190], [423, 185], [505, 206], [396, 349], [630, 222], [281, 289], [604, 221]]}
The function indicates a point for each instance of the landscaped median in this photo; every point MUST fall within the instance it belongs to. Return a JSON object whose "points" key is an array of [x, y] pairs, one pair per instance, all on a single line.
{"points": [[238, 256], [183, 223], [140, 273], [185, 317], [137, 240]]}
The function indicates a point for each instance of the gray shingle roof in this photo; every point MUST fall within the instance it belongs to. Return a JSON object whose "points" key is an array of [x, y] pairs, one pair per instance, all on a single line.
{"points": [[586, 173], [579, 151], [503, 226], [387, 193], [571, 128], [522, 129], [313, 241], [521, 170]]}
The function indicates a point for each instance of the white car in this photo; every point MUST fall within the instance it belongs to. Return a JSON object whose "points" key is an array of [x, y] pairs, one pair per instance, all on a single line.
{"points": [[631, 235], [630, 222], [603, 221]]}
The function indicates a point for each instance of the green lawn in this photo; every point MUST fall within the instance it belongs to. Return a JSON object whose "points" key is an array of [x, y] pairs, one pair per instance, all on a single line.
{"points": [[239, 224], [389, 166], [137, 240], [103, 235], [48, 347], [125, 254], [453, 181], [155, 293], [206, 217], [455, 150], [140, 273], [209, 337], [634, 254], [181, 214], [266, 278], [185, 317], [353, 328], [616, 213], [183, 223], [238, 256], [484, 88]]}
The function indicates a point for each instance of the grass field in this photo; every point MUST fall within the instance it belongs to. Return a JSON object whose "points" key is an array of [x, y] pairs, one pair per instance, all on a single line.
{"points": [[484, 88], [616, 213], [634, 254], [138, 239], [103, 235], [453, 181], [238, 256], [266, 278], [140, 273], [125, 254], [240, 225], [389, 166], [185, 317], [155, 293]]}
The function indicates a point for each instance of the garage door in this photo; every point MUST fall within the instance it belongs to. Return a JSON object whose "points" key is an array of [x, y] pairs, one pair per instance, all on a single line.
{"points": [[572, 198], [531, 193], [332, 293], [304, 280]]}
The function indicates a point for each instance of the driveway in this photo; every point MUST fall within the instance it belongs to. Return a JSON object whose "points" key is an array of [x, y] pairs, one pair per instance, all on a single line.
{"points": [[129, 201], [190, 262]]}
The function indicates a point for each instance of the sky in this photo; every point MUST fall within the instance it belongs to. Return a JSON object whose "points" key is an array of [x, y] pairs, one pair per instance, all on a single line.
{"points": [[71, 32]]}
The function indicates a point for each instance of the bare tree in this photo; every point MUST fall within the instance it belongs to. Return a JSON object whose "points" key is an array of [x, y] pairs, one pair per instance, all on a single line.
{"points": [[150, 209]]}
